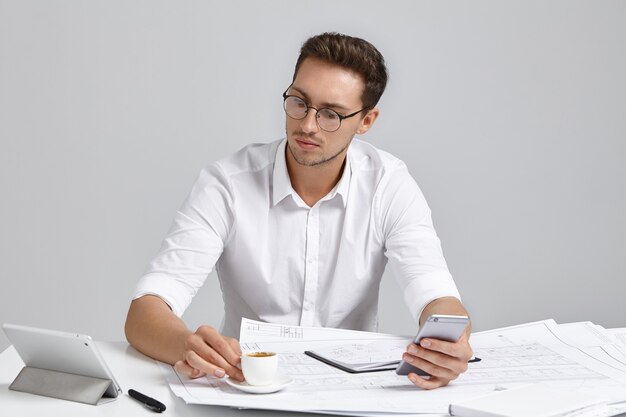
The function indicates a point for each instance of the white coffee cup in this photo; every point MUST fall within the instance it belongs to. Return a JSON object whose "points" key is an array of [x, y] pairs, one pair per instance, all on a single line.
{"points": [[259, 368]]}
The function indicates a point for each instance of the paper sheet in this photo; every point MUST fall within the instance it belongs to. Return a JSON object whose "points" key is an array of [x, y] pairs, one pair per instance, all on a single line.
{"points": [[511, 356]]}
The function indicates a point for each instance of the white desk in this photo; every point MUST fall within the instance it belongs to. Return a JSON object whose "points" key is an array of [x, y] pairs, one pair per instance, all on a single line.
{"points": [[132, 370]]}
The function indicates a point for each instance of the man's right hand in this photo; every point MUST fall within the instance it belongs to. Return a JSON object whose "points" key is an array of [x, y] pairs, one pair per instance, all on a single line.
{"points": [[207, 352], [154, 330]]}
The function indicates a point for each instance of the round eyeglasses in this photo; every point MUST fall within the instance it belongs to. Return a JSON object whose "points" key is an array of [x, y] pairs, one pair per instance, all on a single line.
{"points": [[327, 119]]}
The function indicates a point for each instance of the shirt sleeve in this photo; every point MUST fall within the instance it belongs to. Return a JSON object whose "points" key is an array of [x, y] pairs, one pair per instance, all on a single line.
{"points": [[193, 243], [411, 244]]}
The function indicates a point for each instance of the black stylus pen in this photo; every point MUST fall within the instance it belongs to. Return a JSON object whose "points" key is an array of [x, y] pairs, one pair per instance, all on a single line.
{"points": [[151, 403]]}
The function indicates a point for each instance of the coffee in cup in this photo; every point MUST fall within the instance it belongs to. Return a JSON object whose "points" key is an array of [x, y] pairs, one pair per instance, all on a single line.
{"points": [[259, 368]]}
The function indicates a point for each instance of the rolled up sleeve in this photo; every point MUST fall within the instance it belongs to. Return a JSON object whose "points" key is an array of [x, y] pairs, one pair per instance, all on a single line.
{"points": [[411, 244], [193, 244]]}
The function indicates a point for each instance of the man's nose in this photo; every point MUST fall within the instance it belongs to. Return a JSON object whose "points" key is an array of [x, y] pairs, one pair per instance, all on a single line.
{"points": [[309, 123]]}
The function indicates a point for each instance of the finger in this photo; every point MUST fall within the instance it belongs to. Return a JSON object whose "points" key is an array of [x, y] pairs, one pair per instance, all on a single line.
{"points": [[195, 361], [221, 363], [210, 355], [183, 368], [460, 349], [206, 354], [428, 383], [235, 346], [456, 365], [431, 368], [221, 345]]}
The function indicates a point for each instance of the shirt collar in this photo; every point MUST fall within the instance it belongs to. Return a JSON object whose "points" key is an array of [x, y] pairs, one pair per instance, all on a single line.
{"points": [[343, 186], [281, 184]]}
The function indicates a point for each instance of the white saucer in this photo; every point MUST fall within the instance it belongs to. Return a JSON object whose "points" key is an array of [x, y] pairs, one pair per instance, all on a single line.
{"points": [[279, 383]]}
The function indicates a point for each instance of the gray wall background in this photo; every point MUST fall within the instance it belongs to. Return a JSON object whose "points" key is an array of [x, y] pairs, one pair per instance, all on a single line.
{"points": [[510, 114]]}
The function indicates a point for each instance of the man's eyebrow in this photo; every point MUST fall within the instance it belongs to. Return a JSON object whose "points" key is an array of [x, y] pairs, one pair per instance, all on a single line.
{"points": [[326, 104]]}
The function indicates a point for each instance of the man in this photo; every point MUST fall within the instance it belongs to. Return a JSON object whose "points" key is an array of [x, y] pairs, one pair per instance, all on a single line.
{"points": [[300, 230]]}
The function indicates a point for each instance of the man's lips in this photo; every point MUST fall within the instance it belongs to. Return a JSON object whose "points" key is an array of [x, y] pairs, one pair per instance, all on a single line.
{"points": [[305, 144]]}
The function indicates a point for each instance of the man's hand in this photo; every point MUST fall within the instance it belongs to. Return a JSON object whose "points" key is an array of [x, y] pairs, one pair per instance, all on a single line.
{"points": [[153, 329], [444, 361], [207, 352]]}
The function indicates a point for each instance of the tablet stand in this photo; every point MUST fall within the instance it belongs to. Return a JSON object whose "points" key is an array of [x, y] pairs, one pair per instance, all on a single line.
{"points": [[78, 388]]}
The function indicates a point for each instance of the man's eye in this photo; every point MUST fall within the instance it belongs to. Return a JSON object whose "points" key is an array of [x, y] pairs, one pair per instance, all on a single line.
{"points": [[330, 115]]}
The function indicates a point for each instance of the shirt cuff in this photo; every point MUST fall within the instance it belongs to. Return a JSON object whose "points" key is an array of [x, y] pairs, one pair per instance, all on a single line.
{"points": [[175, 293], [419, 293]]}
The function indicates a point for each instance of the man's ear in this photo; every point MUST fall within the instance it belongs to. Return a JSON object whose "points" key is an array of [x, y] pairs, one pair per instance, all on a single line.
{"points": [[368, 121]]}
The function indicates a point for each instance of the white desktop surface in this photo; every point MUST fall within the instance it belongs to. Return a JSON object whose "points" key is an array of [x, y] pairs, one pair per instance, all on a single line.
{"points": [[132, 370]]}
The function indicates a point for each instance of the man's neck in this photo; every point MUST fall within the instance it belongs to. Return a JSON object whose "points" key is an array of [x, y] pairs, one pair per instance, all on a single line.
{"points": [[312, 183]]}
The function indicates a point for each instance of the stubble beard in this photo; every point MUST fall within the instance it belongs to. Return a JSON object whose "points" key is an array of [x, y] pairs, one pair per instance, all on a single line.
{"points": [[322, 161]]}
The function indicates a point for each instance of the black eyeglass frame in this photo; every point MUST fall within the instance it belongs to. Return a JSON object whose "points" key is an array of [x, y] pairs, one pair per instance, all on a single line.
{"points": [[306, 113]]}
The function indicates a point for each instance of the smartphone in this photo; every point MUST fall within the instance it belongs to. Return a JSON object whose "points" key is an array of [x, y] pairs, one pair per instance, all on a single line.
{"points": [[437, 326]]}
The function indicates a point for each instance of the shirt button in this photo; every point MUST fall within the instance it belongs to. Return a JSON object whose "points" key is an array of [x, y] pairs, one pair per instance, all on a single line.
{"points": [[310, 261]]}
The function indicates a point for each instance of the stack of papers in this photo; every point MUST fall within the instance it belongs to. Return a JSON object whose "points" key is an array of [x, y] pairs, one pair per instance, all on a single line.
{"points": [[579, 357], [535, 400]]}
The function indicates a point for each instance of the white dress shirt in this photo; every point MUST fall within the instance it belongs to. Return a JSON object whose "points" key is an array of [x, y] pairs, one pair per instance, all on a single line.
{"points": [[279, 260]]}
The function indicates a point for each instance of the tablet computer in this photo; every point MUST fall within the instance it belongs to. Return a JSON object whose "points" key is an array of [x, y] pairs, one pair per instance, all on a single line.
{"points": [[53, 350]]}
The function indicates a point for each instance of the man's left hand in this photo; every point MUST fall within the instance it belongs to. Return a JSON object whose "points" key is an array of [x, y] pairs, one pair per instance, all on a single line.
{"points": [[444, 361]]}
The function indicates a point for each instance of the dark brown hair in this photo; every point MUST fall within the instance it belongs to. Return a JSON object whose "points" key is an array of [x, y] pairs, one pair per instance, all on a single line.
{"points": [[352, 53]]}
